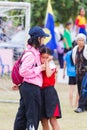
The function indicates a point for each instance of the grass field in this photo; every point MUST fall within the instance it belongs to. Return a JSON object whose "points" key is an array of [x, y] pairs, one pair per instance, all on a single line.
{"points": [[69, 121]]}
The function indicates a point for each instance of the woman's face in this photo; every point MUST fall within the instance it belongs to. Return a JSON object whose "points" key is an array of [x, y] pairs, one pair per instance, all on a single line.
{"points": [[44, 57], [81, 42], [41, 40]]}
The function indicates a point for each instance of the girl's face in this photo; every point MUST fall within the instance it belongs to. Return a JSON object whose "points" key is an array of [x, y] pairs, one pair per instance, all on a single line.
{"points": [[81, 42], [41, 40], [44, 57], [82, 12]]}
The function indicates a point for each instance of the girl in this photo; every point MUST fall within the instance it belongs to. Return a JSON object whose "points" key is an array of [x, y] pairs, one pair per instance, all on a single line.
{"points": [[81, 22], [30, 102], [67, 37], [50, 101]]}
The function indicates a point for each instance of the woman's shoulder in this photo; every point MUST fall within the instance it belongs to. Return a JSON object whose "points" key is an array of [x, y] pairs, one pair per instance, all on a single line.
{"points": [[27, 54], [85, 52]]}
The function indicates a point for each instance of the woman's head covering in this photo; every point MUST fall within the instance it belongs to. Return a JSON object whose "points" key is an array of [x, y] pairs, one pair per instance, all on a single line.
{"points": [[37, 31]]}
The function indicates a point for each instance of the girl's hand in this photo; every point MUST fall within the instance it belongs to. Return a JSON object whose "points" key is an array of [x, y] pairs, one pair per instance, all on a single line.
{"points": [[43, 67], [50, 58]]}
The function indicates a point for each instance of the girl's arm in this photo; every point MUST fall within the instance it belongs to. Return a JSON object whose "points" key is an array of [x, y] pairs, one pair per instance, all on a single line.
{"points": [[49, 71]]}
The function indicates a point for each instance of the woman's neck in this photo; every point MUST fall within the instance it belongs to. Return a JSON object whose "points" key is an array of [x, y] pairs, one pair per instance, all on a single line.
{"points": [[80, 48]]}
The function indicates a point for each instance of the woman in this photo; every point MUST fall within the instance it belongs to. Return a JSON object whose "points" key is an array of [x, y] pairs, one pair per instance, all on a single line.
{"points": [[30, 102], [79, 56]]}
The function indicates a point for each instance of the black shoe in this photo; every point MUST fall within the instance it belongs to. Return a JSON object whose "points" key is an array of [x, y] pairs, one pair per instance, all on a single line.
{"points": [[79, 110]]}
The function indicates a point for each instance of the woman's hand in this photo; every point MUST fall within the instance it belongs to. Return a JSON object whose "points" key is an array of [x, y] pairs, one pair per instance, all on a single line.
{"points": [[15, 87]]}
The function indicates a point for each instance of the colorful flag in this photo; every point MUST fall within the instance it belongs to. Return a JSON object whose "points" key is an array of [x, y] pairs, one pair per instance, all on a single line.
{"points": [[49, 24]]}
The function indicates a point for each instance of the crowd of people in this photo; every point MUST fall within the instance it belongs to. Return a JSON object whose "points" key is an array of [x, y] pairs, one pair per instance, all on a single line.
{"points": [[76, 67], [39, 99]]}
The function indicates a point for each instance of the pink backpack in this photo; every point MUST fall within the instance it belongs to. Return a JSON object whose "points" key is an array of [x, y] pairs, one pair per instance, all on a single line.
{"points": [[15, 76]]}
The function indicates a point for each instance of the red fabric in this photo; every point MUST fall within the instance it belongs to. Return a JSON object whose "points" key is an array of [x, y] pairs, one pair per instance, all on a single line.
{"points": [[77, 21], [56, 112], [48, 81]]}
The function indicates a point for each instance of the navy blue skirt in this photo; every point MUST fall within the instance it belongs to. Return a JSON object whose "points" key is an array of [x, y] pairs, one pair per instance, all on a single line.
{"points": [[50, 103]]}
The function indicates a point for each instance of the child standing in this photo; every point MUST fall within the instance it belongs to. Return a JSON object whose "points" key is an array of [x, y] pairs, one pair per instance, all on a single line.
{"points": [[71, 73], [81, 22], [50, 101], [67, 37]]}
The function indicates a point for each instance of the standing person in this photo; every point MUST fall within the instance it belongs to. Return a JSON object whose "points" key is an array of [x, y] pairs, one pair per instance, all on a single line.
{"points": [[60, 51], [80, 22], [30, 99], [67, 37], [50, 101], [71, 73], [80, 59]]}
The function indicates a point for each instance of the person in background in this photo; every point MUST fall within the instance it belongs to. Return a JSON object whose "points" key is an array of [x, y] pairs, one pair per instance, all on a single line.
{"points": [[28, 114], [79, 56], [50, 101], [60, 50], [80, 22], [71, 73], [67, 37]]}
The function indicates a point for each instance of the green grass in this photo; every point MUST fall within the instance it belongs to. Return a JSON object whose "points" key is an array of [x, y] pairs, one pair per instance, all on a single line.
{"points": [[69, 121]]}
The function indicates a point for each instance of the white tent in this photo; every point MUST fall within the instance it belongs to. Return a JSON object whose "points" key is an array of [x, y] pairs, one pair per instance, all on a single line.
{"points": [[7, 6]]}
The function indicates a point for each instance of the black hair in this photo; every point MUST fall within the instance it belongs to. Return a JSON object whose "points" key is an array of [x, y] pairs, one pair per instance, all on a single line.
{"points": [[67, 24], [46, 50], [34, 42]]}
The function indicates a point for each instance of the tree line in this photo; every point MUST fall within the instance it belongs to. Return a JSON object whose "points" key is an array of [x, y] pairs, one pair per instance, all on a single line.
{"points": [[63, 10]]}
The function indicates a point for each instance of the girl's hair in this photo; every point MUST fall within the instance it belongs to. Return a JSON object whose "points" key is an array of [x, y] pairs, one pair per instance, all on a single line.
{"points": [[45, 50], [34, 42], [68, 23]]}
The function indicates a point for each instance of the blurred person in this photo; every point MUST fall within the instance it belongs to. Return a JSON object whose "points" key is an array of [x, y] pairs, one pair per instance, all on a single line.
{"points": [[67, 37], [60, 51], [80, 22], [79, 56], [71, 73], [50, 101], [28, 114]]}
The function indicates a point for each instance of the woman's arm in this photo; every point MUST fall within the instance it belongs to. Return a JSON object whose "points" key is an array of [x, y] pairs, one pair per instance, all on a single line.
{"points": [[28, 68]]}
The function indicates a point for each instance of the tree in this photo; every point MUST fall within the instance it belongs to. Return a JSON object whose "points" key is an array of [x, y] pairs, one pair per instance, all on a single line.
{"points": [[63, 10]]}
